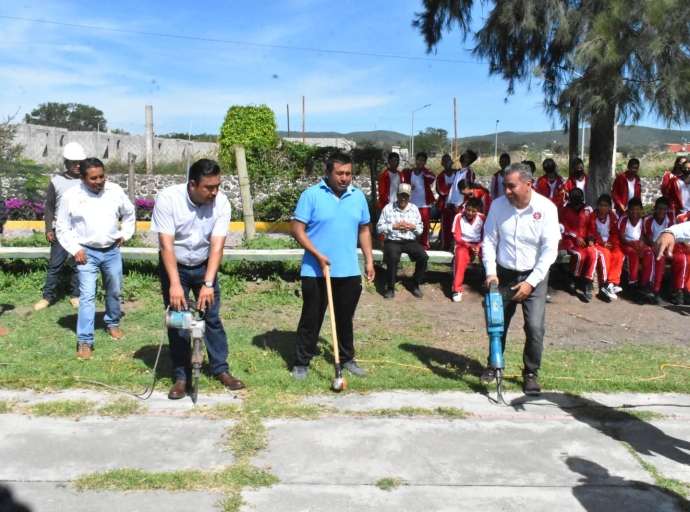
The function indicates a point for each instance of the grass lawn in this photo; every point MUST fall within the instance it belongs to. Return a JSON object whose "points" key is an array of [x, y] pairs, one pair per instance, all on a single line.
{"points": [[260, 312]]}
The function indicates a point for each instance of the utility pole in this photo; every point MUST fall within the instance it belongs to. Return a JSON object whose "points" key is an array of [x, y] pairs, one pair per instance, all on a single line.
{"points": [[149, 139], [496, 144], [304, 139], [455, 122], [412, 136], [245, 192], [288, 116]]}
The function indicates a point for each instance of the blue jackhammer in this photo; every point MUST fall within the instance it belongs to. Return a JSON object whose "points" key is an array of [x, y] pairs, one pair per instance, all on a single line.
{"points": [[493, 311]]}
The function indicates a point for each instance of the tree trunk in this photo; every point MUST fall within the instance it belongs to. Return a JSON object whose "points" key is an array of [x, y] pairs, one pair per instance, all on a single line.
{"points": [[602, 136], [573, 133]]}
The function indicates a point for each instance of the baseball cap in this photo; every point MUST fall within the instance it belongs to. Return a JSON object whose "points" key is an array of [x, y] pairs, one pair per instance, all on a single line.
{"points": [[405, 188]]}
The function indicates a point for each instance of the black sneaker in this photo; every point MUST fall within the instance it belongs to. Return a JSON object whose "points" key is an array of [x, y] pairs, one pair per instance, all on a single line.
{"points": [[488, 376], [354, 369], [572, 285], [417, 293], [686, 298], [299, 372], [588, 290], [655, 299], [677, 298], [530, 386], [646, 291], [389, 294]]}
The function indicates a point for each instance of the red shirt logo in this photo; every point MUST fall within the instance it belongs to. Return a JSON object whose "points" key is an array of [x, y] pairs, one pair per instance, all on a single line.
{"points": [[536, 215]]}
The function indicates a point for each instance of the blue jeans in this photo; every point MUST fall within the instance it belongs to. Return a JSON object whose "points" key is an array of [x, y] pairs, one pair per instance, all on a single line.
{"points": [[58, 256], [109, 263], [192, 279]]}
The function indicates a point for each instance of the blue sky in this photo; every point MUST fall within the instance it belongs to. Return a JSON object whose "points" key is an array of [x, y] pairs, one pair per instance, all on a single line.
{"points": [[189, 81]]}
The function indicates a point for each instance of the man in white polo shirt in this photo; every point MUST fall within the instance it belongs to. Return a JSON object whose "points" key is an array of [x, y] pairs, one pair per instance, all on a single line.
{"points": [[87, 227], [192, 221], [520, 244]]}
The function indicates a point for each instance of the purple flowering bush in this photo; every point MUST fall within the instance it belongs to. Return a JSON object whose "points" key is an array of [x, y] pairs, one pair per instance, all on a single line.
{"points": [[21, 209], [144, 209]]}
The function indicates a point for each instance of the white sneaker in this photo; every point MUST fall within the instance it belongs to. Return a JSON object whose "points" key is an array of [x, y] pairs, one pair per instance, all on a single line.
{"points": [[608, 291], [457, 296], [616, 288]]}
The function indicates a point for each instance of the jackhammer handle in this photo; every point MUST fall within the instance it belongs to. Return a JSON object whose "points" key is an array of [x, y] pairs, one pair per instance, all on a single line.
{"points": [[493, 286], [331, 314]]}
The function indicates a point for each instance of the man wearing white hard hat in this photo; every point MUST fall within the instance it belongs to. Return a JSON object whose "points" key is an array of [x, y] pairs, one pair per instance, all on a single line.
{"points": [[59, 184]]}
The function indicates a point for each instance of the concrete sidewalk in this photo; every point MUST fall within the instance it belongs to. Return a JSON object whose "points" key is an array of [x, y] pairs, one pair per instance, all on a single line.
{"points": [[553, 453]]}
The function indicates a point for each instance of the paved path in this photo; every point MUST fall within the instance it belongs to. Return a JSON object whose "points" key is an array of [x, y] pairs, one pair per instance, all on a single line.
{"points": [[557, 452]]}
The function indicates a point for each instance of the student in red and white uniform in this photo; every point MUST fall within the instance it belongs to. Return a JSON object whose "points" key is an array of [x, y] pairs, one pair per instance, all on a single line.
{"points": [[679, 191], [577, 178], [583, 257], [551, 183], [468, 230], [669, 176], [444, 187], [389, 181], [653, 269], [468, 190], [533, 168], [626, 186], [465, 172], [422, 181], [496, 187], [680, 266], [630, 231], [602, 233]]}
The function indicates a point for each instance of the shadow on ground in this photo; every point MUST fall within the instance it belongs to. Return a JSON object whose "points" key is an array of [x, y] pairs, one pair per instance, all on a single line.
{"points": [[597, 480], [284, 344], [147, 355], [643, 437], [70, 321], [447, 364], [5, 307]]}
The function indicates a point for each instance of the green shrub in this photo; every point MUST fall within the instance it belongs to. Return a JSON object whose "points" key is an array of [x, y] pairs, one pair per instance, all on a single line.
{"points": [[278, 207]]}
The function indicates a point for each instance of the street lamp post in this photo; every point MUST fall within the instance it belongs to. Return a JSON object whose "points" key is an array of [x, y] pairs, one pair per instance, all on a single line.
{"points": [[496, 144], [412, 134]]}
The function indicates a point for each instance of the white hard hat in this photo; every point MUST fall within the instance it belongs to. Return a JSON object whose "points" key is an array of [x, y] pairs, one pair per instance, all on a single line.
{"points": [[74, 151]]}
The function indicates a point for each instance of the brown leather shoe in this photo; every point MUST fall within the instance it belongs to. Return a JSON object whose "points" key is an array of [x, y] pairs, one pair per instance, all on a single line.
{"points": [[229, 381], [179, 390], [84, 351], [115, 332]]}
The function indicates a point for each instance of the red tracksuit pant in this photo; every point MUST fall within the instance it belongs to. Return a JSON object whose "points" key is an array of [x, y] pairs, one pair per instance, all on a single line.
{"points": [[680, 266], [425, 213], [633, 263], [463, 256], [447, 218], [610, 265], [652, 270], [583, 261]]}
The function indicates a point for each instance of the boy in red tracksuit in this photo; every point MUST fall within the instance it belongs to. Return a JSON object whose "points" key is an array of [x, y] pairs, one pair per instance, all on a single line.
{"points": [[389, 181], [468, 190], [679, 190], [669, 176], [496, 187], [422, 180], [681, 265], [583, 257], [602, 233], [551, 183], [444, 185], [468, 231], [577, 178], [630, 234], [653, 269], [626, 186]]}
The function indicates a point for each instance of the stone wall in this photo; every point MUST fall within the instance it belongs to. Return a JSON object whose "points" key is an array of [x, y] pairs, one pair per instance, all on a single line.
{"points": [[148, 186]]}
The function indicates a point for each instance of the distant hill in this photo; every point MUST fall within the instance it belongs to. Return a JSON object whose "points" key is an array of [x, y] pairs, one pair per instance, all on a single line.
{"points": [[627, 136], [385, 137]]}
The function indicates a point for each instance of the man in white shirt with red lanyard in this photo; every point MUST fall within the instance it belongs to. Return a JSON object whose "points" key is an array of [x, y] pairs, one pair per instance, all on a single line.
{"points": [[520, 244], [87, 227], [192, 221]]}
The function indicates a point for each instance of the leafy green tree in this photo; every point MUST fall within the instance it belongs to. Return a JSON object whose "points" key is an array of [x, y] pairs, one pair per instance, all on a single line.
{"points": [[432, 140], [255, 129], [73, 116], [614, 60]]}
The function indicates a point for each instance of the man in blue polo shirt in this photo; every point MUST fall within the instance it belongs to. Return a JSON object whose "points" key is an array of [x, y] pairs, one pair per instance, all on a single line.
{"points": [[330, 218]]}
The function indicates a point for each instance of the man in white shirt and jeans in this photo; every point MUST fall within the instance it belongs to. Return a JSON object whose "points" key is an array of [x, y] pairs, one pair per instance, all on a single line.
{"points": [[87, 227], [520, 244], [192, 221]]}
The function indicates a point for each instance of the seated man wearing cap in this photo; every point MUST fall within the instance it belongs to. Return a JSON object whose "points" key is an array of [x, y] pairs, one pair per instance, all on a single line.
{"points": [[401, 224]]}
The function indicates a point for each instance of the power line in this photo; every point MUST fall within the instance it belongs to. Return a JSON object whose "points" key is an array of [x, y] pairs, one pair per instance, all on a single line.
{"points": [[261, 45]]}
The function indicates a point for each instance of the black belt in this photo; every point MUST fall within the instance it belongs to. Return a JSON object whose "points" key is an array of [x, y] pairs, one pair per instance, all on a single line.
{"points": [[101, 249], [511, 272]]}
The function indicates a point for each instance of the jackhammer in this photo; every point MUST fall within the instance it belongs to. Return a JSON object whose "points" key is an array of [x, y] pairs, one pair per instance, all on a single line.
{"points": [[493, 311], [190, 320]]}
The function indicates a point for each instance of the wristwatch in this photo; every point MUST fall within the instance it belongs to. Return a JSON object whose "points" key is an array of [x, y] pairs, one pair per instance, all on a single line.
{"points": [[209, 284]]}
